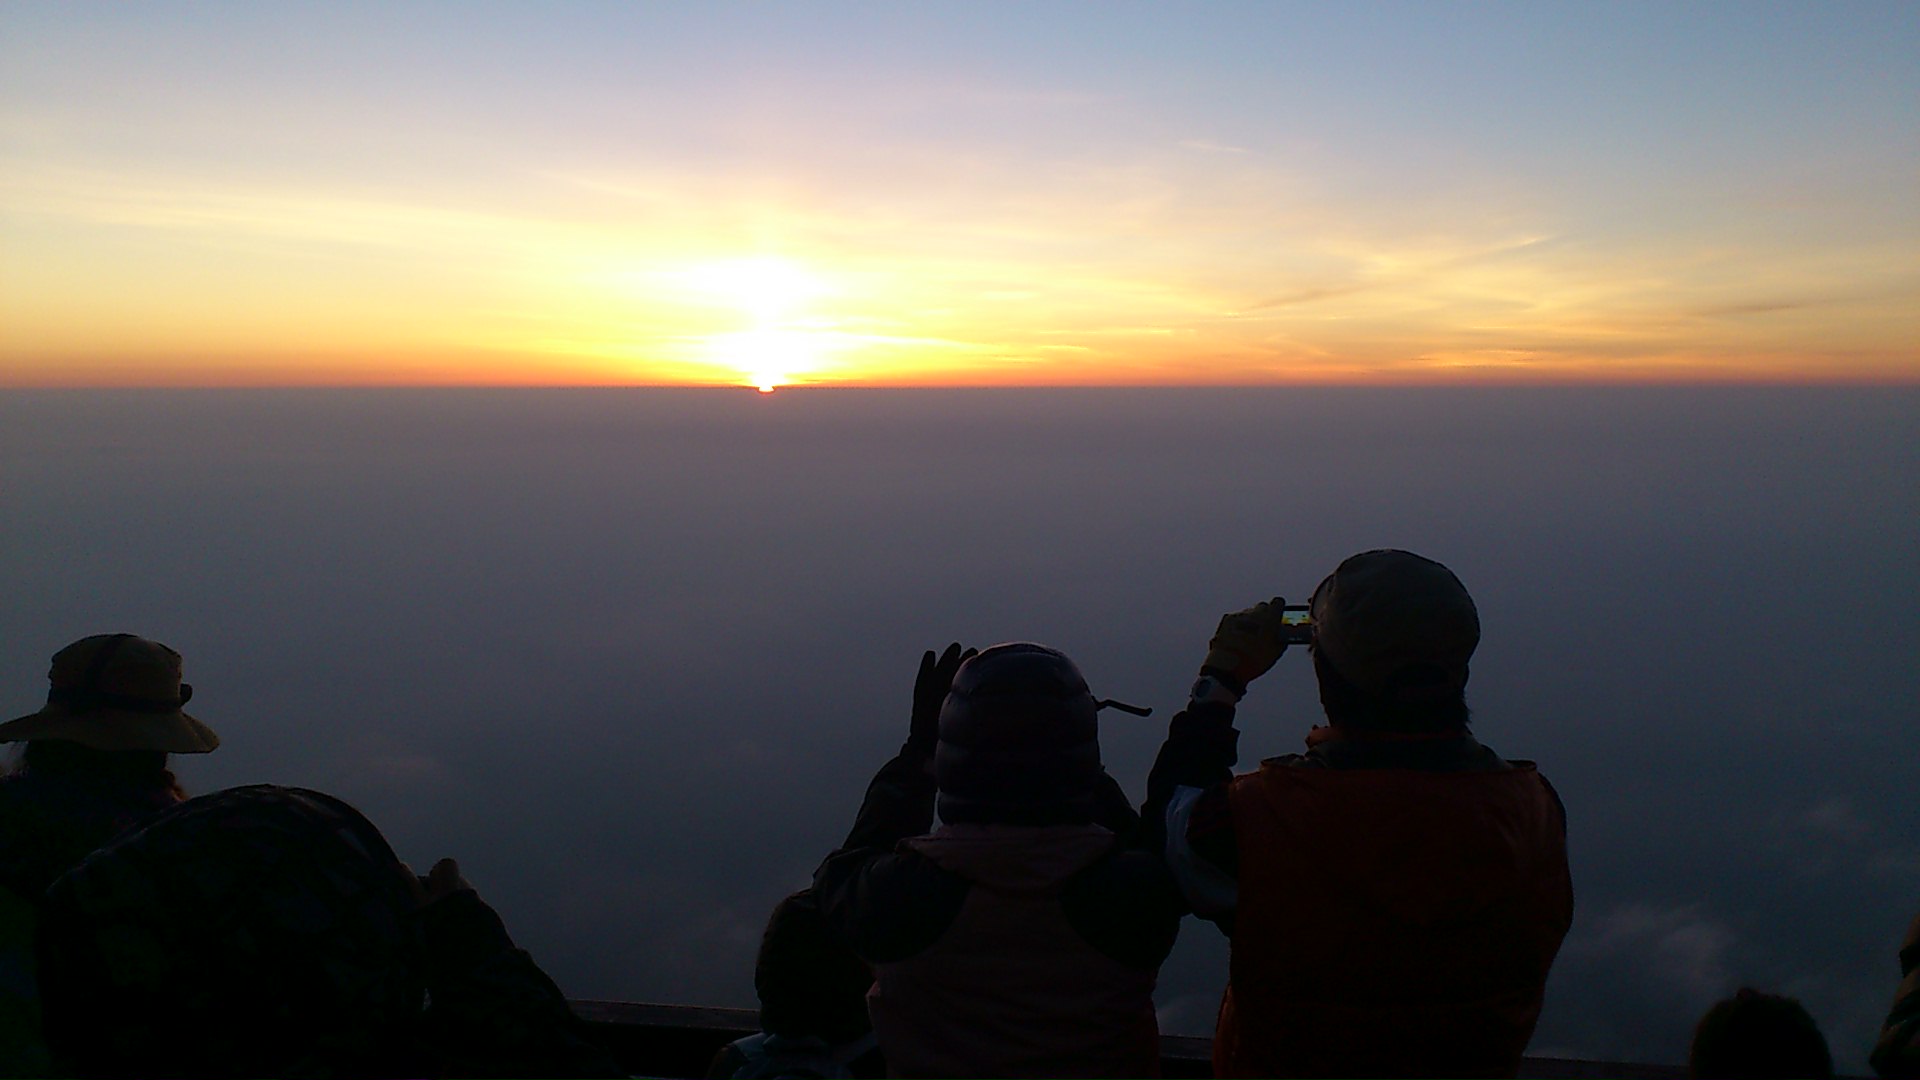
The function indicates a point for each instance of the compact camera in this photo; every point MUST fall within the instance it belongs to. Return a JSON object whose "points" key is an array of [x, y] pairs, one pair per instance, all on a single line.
{"points": [[1296, 625]]}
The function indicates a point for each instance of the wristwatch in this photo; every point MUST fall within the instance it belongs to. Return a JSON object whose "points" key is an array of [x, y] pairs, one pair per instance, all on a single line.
{"points": [[1211, 689]]}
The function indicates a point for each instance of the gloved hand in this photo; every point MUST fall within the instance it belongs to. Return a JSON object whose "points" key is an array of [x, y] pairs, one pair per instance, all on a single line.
{"points": [[442, 881], [1248, 643], [930, 691]]}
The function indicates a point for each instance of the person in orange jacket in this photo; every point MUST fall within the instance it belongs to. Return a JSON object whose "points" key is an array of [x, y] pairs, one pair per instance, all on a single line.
{"points": [[1396, 894], [1897, 1054]]}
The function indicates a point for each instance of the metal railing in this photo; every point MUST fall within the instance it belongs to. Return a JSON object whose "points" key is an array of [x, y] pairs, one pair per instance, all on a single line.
{"points": [[681, 1040]]}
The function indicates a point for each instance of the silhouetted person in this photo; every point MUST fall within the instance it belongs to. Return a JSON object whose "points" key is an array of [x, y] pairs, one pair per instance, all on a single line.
{"points": [[1024, 935], [1756, 1036], [93, 765], [1898, 1051], [813, 1003], [1395, 894], [95, 759], [270, 931]]}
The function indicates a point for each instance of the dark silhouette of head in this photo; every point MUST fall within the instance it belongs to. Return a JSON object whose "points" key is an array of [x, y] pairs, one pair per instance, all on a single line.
{"points": [[131, 769], [1393, 632], [1752, 1034], [809, 982], [1019, 740], [114, 713]]}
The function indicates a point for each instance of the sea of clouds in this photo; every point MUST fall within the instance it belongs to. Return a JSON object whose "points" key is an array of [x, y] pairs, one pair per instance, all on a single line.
{"points": [[631, 655]]}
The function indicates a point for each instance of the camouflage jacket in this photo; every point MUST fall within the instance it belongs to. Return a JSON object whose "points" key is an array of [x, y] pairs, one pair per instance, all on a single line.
{"points": [[47, 824], [271, 931]]}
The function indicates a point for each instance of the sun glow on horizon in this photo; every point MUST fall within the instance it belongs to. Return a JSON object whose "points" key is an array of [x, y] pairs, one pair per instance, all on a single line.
{"points": [[775, 356], [783, 340], [623, 195]]}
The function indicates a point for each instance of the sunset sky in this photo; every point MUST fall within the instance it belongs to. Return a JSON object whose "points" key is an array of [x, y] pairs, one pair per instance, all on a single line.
{"points": [[972, 193]]}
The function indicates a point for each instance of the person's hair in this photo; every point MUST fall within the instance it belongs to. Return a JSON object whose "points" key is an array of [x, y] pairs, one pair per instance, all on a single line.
{"points": [[1752, 1034], [1415, 713], [133, 768]]}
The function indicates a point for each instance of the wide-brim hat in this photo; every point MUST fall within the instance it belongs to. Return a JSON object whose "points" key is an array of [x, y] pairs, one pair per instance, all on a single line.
{"points": [[115, 692], [1395, 624]]}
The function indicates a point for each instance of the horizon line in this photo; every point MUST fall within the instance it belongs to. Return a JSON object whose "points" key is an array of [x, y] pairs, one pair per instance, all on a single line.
{"points": [[1835, 382]]}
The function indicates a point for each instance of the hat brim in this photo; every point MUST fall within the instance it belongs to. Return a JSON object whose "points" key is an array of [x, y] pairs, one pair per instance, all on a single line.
{"points": [[114, 729]]}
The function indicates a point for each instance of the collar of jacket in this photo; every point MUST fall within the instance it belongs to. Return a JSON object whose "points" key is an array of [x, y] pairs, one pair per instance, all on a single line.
{"points": [[1450, 751]]}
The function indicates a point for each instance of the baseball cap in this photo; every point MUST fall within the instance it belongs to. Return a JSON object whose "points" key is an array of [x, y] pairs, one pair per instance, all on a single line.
{"points": [[1396, 624]]}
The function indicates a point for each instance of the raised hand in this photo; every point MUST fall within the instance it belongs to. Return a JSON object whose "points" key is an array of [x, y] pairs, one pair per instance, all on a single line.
{"points": [[930, 691]]}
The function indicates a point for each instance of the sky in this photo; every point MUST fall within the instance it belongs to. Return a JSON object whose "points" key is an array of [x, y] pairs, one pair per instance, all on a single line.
{"points": [[942, 193]]}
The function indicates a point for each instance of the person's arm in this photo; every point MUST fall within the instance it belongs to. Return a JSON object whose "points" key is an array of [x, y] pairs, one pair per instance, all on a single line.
{"points": [[1187, 789], [1200, 752], [1897, 1054], [884, 902], [493, 1011], [1186, 813], [1113, 811]]}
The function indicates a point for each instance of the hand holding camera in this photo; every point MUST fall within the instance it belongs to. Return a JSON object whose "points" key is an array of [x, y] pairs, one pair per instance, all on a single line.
{"points": [[1249, 642]]}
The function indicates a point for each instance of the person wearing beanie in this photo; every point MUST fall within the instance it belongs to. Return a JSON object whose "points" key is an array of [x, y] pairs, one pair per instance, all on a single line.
{"points": [[1395, 895], [1024, 935]]}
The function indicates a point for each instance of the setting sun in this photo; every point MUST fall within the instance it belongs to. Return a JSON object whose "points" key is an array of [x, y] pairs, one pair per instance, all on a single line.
{"points": [[765, 357], [784, 337]]}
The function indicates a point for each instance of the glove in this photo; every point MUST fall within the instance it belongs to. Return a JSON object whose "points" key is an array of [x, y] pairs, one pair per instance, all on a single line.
{"points": [[930, 692], [1248, 643], [442, 881]]}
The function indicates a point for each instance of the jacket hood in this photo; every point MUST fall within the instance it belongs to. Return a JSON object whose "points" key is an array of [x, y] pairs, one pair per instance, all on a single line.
{"points": [[1015, 858]]}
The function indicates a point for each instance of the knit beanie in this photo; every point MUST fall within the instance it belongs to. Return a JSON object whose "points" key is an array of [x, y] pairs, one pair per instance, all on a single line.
{"points": [[1019, 742], [1397, 626]]}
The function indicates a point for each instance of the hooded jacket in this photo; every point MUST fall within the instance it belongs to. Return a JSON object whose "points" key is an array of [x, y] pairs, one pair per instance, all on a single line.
{"points": [[1002, 950], [1011, 989]]}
